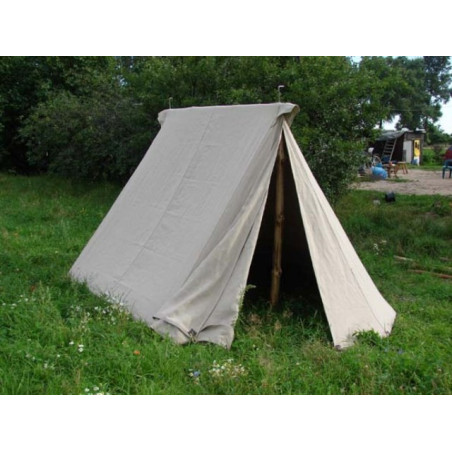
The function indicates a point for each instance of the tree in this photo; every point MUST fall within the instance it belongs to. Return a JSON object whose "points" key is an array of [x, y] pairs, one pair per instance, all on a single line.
{"points": [[86, 102], [336, 109], [27, 81], [21, 87], [438, 77], [436, 135], [98, 115], [412, 89], [336, 118], [102, 136]]}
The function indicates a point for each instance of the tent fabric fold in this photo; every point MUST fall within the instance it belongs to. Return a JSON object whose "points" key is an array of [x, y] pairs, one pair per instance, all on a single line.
{"points": [[177, 244]]}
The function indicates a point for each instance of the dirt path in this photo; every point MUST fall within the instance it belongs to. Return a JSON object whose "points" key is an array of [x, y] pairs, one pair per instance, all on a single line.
{"points": [[416, 182]]}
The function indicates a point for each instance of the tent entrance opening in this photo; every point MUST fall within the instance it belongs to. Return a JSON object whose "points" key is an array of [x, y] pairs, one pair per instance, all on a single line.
{"points": [[297, 277]]}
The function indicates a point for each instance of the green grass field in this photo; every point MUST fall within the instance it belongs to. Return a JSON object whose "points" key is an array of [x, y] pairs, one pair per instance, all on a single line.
{"points": [[58, 338]]}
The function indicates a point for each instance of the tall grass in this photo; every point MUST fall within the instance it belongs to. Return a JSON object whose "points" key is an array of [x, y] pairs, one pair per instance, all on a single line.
{"points": [[58, 338]]}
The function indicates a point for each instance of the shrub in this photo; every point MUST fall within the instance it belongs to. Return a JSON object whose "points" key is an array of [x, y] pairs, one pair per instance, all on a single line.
{"points": [[334, 162], [99, 137], [433, 156]]}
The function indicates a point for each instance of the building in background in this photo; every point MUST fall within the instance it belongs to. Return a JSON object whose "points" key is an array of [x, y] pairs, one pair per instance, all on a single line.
{"points": [[400, 145]]}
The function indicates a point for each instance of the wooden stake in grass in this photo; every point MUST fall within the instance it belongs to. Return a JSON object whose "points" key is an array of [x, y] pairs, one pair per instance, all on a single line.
{"points": [[279, 221], [438, 275], [440, 271]]}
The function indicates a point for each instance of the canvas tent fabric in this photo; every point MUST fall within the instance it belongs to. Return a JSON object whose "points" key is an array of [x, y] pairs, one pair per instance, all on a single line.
{"points": [[177, 244]]}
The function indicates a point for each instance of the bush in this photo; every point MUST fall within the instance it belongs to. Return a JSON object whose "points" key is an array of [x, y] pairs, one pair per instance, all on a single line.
{"points": [[433, 156], [334, 162], [99, 137]]}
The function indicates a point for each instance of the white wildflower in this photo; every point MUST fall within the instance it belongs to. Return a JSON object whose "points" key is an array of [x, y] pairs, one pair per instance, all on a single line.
{"points": [[227, 369]]}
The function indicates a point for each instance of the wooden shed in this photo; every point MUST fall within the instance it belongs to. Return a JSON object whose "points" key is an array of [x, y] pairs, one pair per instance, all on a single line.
{"points": [[400, 145]]}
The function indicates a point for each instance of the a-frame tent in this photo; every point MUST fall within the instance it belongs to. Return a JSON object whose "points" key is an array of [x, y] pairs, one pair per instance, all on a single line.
{"points": [[177, 245]]}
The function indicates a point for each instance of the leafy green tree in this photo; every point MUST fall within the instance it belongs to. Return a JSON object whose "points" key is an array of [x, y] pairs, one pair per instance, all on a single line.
{"points": [[94, 117], [411, 88], [336, 116], [388, 85], [414, 105], [436, 135], [438, 77], [21, 87], [27, 81], [100, 137], [75, 132]]}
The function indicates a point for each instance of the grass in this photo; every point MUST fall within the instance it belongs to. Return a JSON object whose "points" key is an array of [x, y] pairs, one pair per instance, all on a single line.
{"points": [[426, 167], [58, 338]]}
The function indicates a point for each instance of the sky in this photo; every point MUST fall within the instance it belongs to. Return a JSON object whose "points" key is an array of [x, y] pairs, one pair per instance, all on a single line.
{"points": [[195, 28], [446, 120]]}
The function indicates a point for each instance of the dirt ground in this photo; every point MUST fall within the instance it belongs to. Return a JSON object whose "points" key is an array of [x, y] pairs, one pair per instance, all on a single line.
{"points": [[416, 182]]}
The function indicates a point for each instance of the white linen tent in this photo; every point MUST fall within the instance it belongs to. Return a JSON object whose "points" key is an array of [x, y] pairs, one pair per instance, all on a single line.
{"points": [[177, 244]]}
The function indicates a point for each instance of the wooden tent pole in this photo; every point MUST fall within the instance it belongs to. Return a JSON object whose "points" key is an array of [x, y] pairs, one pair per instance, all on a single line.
{"points": [[279, 221]]}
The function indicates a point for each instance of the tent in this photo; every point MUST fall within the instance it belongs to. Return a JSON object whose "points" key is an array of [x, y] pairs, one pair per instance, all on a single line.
{"points": [[177, 245]]}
